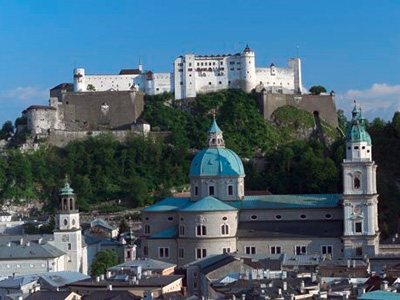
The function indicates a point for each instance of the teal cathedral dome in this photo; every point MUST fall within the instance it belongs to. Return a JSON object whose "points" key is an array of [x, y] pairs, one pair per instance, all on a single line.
{"points": [[216, 160]]}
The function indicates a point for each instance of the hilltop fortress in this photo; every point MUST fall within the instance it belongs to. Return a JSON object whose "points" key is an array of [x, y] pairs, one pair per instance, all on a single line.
{"points": [[195, 74], [95, 103]]}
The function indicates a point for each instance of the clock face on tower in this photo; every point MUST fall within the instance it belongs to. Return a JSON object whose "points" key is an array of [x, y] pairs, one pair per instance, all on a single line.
{"points": [[65, 238]]}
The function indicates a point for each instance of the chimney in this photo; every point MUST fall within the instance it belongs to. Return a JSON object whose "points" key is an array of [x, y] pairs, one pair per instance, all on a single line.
{"points": [[101, 277], [109, 287], [384, 285], [396, 235], [40, 241], [28, 243], [313, 277], [348, 263], [284, 285], [9, 244], [280, 292], [108, 274], [21, 241], [97, 278], [243, 296], [302, 286], [354, 263]]}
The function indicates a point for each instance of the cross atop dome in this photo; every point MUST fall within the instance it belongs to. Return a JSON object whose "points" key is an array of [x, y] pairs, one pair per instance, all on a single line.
{"points": [[215, 138]]}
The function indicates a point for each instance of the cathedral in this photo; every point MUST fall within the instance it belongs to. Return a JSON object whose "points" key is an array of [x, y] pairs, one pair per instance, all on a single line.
{"points": [[219, 217]]}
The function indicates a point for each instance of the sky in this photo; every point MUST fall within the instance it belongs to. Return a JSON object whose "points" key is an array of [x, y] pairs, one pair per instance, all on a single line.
{"points": [[351, 47]]}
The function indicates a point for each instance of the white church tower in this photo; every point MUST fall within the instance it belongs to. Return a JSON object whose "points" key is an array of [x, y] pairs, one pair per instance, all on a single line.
{"points": [[68, 233], [360, 198]]}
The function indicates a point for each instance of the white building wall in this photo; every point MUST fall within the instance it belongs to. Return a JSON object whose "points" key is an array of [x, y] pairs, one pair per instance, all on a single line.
{"points": [[31, 266]]}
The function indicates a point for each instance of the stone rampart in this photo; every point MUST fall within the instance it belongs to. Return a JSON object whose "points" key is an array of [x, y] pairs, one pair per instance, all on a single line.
{"points": [[324, 105]]}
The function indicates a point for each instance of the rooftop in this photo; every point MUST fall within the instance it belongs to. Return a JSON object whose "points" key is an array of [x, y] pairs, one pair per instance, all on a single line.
{"points": [[380, 295], [208, 204], [146, 264]]}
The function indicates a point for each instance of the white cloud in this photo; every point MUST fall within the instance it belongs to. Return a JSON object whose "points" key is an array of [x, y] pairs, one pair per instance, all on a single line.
{"points": [[24, 93], [380, 100]]}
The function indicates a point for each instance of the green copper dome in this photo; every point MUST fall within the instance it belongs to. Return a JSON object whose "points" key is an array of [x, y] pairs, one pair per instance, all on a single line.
{"points": [[66, 190], [357, 132], [216, 162]]}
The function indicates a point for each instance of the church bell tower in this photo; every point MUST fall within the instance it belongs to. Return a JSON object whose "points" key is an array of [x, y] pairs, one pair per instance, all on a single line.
{"points": [[68, 234], [360, 198]]}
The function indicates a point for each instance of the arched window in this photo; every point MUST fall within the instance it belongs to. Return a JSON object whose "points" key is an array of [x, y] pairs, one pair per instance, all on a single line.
{"points": [[357, 181], [71, 204], [65, 204], [201, 230], [224, 229]]}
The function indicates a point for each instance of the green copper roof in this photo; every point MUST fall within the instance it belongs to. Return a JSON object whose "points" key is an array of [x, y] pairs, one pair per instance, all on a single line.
{"points": [[357, 132], [168, 204], [208, 204], [289, 201], [380, 295], [215, 162], [214, 127], [66, 190]]}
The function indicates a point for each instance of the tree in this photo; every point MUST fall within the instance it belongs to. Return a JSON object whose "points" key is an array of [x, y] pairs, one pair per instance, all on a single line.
{"points": [[123, 227], [102, 261], [317, 90], [7, 130], [91, 87]]}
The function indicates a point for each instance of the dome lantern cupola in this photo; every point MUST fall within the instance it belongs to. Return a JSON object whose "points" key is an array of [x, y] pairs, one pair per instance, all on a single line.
{"points": [[358, 140], [215, 138]]}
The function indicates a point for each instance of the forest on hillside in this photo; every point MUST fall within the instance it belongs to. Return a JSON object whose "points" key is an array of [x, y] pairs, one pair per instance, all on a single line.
{"points": [[144, 170]]}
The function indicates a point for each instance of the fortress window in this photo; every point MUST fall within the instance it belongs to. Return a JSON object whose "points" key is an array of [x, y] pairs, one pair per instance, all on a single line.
{"points": [[363, 147], [349, 148], [65, 222], [230, 190], [190, 64], [232, 69], [190, 69], [358, 227], [275, 250], [225, 229], [201, 230], [254, 217], [147, 218], [222, 63], [368, 151], [211, 191], [220, 82], [303, 217], [229, 82], [328, 216], [69, 246], [250, 250], [181, 83], [278, 217]]}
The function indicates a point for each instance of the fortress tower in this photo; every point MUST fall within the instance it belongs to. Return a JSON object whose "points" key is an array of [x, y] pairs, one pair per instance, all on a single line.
{"points": [[360, 198], [248, 73], [79, 80]]}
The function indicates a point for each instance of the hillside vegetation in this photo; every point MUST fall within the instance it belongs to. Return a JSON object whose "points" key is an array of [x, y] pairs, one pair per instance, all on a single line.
{"points": [[143, 170]]}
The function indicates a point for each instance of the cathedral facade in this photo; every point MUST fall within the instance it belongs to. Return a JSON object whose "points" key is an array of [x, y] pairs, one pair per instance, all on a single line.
{"points": [[218, 217]]}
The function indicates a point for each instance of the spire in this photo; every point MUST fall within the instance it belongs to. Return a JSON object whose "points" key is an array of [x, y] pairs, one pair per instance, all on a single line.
{"points": [[215, 138], [357, 131], [140, 67]]}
